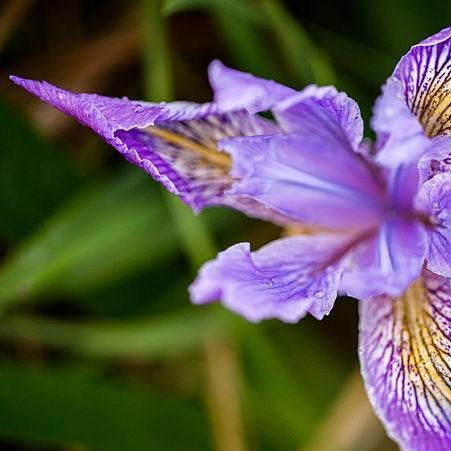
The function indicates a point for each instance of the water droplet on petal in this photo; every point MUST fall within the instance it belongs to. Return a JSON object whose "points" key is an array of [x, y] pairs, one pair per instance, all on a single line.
{"points": [[319, 294]]}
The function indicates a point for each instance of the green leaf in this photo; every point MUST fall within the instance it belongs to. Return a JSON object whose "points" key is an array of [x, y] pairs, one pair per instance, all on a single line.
{"points": [[307, 62], [34, 177], [104, 234], [162, 336], [73, 405], [242, 8], [285, 404]]}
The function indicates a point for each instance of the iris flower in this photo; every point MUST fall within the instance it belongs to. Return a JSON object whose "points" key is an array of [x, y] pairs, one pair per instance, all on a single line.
{"points": [[376, 217]]}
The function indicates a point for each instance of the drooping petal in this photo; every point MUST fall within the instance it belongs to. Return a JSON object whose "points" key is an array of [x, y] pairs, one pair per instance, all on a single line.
{"points": [[389, 261], [324, 111], [285, 279], [174, 142], [434, 200], [235, 90], [405, 355], [307, 179]]}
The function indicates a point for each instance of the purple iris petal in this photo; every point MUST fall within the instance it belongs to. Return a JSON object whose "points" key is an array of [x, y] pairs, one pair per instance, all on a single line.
{"points": [[285, 279], [322, 110], [387, 262], [307, 179], [235, 90], [434, 200], [416, 101], [401, 138], [425, 72], [405, 355], [131, 127]]}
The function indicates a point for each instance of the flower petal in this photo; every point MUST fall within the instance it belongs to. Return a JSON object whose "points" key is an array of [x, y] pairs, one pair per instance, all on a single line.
{"points": [[405, 355], [425, 72], [285, 279], [174, 142], [387, 262], [416, 101], [434, 199], [322, 110], [307, 179], [400, 136], [235, 90]]}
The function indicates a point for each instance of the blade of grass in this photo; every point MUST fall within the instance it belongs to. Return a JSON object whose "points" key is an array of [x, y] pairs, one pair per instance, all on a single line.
{"points": [[197, 243], [307, 63], [157, 337], [360, 431], [244, 9], [104, 234]]}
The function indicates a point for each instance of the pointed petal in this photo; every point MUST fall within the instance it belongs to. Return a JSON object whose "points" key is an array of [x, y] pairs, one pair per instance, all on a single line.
{"points": [[307, 179], [434, 200], [235, 90], [387, 262], [405, 355], [285, 279], [324, 111], [164, 140]]}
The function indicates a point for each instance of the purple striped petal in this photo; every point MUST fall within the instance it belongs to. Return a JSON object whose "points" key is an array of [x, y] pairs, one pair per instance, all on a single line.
{"points": [[434, 200], [162, 140], [235, 90], [285, 279], [416, 101], [425, 72], [307, 179], [405, 355]]}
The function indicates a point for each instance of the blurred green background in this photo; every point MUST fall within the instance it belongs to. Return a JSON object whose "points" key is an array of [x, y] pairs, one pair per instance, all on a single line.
{"points": [[100, 347]]}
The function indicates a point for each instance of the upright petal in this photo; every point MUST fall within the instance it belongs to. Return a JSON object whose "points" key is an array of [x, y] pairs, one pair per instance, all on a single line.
{"points": [[312, 110], [434, 200], [285, 279], [405, 355], [387, 262], [322, 110], [235, 90], [307, 179], [400, 136], [174, 142]]}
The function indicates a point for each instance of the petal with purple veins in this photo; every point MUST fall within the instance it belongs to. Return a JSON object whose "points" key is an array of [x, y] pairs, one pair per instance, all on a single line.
{"points": [[285, 279], [425, 72], [405, 355], [416, 101]]}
